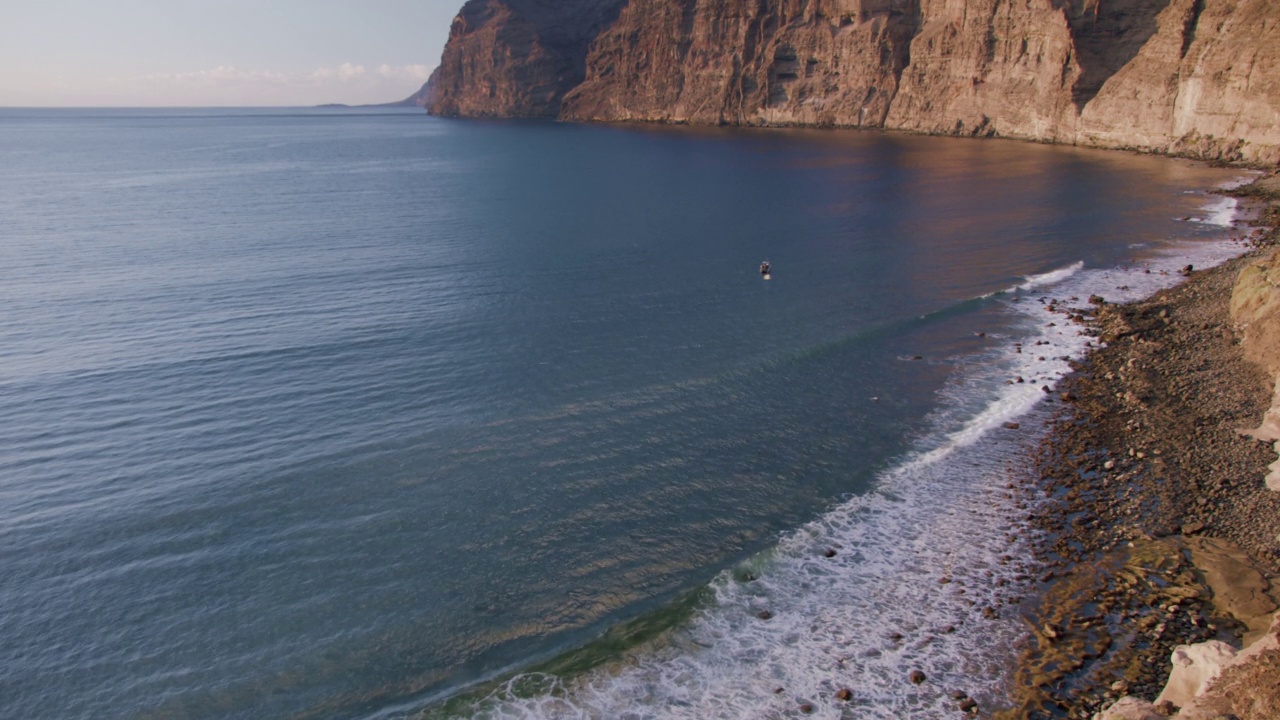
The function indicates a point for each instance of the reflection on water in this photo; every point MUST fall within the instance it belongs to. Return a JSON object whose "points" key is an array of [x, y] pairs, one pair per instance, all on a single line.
{"points": [[319, 413]]}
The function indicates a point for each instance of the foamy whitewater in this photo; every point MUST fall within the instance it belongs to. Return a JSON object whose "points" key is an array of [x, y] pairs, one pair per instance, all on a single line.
{"points": [[942, 537]]}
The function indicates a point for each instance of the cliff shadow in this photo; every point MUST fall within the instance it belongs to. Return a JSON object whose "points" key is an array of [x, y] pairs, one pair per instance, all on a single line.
{"points": [[1107, 35]]}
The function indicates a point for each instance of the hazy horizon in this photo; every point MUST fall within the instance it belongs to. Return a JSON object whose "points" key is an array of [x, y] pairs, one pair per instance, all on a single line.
{"points": [[288, 53]]}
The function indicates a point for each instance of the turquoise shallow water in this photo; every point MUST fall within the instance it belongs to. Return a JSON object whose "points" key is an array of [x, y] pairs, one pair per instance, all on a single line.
{"points": [[337, 414]]}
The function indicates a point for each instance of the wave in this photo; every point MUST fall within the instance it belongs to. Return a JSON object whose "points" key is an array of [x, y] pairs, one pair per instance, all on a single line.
{"points": [[1222, 212], [1034, 282], [922, 573]]}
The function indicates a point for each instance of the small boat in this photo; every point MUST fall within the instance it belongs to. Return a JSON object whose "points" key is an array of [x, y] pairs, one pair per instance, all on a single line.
{"points": [[764, 269]]}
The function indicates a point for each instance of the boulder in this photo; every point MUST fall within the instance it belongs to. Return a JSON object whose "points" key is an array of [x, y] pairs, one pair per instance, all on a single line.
{"points": [[1245, 686], [1194, 667]]}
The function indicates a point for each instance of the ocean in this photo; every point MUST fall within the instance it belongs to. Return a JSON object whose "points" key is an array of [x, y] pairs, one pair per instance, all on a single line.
{"points": [[364, 414]]}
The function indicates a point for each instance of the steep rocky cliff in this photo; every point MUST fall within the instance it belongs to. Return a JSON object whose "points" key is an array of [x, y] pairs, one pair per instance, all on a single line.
{"points": [[1255, 312], [1194, 77], [515, 58], [812, 62]]}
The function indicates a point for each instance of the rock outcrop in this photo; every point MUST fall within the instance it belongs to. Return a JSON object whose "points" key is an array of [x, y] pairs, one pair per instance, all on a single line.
{"points": [[1255, 311], [1245, 686], [1255, 308], [1192, 77], [1211, 681], [1194, 667]]}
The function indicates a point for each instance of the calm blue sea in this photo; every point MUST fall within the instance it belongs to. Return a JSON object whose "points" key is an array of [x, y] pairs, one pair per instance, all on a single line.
{"points": [[364, 414]]}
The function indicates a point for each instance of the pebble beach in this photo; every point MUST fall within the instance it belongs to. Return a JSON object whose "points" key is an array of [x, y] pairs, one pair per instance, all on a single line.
{"points": [[1156, 529]]}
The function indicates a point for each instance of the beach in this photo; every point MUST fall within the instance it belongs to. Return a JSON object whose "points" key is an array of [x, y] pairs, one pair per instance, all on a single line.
{"points": [[381, 450], [1157, 528]]}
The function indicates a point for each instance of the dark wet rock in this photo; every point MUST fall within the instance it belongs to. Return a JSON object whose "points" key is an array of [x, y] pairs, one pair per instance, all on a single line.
{"points": [[844, 694], [829, 552], [916, 677], [1012, 425], [764, 615], [806, 708]]}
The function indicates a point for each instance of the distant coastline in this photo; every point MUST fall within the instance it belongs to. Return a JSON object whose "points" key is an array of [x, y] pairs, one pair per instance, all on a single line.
{"points": [[406, 103]]}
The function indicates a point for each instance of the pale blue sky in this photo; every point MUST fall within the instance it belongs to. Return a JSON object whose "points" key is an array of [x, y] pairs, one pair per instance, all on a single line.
{"points": [[217, 52]]}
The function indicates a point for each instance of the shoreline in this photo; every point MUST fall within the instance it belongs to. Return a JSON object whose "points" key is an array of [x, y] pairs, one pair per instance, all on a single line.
{"points": [[1156, 529]]}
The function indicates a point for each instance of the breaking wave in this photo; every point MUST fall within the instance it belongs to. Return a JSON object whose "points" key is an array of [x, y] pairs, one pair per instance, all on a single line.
{"points": [[921, 574]]}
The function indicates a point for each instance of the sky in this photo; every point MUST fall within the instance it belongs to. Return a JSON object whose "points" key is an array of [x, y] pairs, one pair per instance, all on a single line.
{"points": [[188, 53]]}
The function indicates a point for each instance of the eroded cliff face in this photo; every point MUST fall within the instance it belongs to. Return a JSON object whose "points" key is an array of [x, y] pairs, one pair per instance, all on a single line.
{"points": [[515, 58], [811, 62], [1255, 313], [1195, 77]]}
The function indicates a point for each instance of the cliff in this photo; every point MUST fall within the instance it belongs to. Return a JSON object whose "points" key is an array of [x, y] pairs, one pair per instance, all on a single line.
{"points": [[515, 58], [1255, 312], [1191, 77]]}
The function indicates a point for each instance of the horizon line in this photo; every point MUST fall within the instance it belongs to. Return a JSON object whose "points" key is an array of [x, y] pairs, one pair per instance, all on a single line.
{"points": [[393, 104]]}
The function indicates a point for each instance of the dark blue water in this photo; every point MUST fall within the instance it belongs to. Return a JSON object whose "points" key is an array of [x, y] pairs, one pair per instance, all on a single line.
{"points": [[321, 414]]}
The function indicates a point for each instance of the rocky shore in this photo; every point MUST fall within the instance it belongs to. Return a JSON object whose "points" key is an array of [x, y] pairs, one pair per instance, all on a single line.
{"points": [[1159, 532]]}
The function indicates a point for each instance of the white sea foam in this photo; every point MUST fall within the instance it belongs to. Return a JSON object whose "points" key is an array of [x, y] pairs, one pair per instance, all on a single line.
{"points": [[943, 512], [1031, 282], [1241, 181], [1222, 212]]}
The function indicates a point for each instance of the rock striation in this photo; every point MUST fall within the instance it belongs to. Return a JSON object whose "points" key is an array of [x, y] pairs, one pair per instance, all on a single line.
{"points": [[1191, 77]]}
